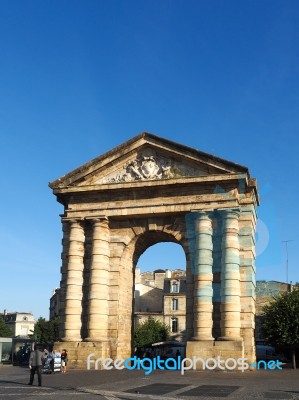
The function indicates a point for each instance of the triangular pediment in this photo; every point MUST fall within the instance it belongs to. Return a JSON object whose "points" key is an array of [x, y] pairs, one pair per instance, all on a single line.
{"points": [[147, 157]]}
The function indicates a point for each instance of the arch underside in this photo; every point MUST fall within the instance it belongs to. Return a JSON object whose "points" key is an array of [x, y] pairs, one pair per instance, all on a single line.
{"points": [[165, 229]]}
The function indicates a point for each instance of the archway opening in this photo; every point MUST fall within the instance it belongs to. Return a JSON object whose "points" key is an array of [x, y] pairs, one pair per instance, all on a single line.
{"points": [[160, 292]]}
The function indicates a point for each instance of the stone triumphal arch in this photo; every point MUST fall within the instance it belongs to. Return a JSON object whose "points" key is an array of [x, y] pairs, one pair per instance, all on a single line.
{"points": [[145, 191]]}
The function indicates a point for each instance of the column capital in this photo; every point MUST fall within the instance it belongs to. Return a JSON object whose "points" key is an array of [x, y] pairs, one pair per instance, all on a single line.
{"points": [[203, 224], [229, 212], [97, 218], [71, 220], [202, 213], [198, 222]]}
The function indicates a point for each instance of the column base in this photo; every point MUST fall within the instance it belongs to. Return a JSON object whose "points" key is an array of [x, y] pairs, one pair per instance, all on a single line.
{"points": [[205, 349], [71, 339], [78, 353], [95, 339], [230, 338], [201, 338], [200, 348]]}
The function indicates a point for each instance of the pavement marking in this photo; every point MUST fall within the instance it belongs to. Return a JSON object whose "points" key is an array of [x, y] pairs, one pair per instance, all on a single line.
{"points": [[37, 391], [122, 395], [109, 396], [25, 387], [41, 394]]}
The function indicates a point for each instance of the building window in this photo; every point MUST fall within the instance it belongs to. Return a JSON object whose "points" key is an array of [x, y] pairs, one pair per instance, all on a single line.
{"points": [[174, 325], [174, 288], [175, 304], [24, 330]]}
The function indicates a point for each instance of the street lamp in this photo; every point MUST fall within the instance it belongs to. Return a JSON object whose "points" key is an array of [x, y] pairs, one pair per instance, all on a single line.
{"points": [[287, 260]]}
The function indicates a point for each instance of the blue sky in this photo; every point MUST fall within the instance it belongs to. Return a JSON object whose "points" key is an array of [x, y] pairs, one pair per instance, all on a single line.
{"points": [[78, 78]]}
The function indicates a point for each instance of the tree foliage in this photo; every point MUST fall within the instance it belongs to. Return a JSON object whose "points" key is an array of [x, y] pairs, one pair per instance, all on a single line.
{"points": [[150, 332], [5, 330], [281, 321], [46, 332]]}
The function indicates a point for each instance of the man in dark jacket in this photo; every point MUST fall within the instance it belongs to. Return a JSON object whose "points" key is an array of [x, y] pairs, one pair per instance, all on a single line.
{"points": [[35, 365]]}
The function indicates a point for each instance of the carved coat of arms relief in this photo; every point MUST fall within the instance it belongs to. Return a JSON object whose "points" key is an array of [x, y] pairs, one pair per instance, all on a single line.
{"points": [[148, 166]]}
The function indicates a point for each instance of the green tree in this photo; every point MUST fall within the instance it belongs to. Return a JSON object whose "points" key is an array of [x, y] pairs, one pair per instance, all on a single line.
{"points": [[150, 332], [5, 330], [281, 322], [46, 331]]}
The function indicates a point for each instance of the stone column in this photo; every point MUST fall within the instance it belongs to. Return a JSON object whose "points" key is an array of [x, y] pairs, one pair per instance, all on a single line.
{"points": [[74, 283], [203, 276], [63, 270], [97, 324], [230, 277]]}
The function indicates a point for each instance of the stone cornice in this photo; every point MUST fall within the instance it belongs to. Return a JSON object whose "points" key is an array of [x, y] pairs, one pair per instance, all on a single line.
{"points": [[150, 183]]}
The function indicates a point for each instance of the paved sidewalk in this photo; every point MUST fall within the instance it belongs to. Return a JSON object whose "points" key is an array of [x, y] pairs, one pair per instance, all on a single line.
{"points": [[126, 384]]}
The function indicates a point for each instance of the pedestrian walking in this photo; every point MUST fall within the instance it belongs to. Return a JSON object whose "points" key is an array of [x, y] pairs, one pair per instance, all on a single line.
{"points": [[35, 364], [63, 361]]}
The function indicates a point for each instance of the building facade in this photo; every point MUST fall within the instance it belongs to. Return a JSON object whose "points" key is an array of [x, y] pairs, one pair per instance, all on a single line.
{"points": [[20, 323], [54, 304], [265, 292], [174, 307], [161, 295]]}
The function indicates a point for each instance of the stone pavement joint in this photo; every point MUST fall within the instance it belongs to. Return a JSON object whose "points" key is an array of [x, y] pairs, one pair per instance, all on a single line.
{"points": [[123, 395]]}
